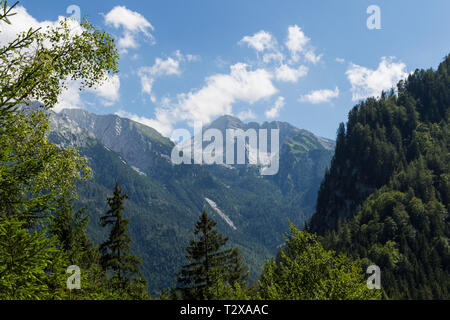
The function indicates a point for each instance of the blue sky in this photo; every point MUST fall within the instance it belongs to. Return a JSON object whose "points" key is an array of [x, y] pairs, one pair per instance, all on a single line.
{"points": [[304, 62]]}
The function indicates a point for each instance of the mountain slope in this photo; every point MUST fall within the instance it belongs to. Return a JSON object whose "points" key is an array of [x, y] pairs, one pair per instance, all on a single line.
{"points": [[165, 200], [386, 196]]}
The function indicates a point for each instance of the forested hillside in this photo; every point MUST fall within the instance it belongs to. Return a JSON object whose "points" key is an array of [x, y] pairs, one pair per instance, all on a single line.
{"points": [[92, 208], [386, 195], [164, 199]]}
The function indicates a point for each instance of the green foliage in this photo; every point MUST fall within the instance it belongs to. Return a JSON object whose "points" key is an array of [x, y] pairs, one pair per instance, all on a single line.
{"points": [[115, 251], [40, 235], [386, 196], [25, 261], [38, 64], [258, 206], [209, 263], [34, 173], [226, 291], [304, 270]]}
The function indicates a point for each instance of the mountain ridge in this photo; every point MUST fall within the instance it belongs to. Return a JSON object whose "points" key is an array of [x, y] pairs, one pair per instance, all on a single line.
{"points": [[166, 199]]}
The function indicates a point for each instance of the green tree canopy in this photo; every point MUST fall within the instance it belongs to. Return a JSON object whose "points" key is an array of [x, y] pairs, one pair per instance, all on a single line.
{"points": [[210, 262], [304, 270], [36, 175]]}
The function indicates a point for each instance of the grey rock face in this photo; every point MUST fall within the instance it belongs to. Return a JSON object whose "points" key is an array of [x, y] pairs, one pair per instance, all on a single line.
{"points": [[140, 146]]}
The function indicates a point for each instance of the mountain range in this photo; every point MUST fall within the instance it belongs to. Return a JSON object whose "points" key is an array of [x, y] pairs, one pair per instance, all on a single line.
{"points": [[166, 199]]}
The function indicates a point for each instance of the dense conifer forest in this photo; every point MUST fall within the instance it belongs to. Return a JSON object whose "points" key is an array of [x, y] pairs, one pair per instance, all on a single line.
{"points": [[385, 198]]}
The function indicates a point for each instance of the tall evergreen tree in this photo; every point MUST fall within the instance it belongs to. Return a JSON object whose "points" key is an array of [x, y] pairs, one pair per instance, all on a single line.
{"points": [[237, 272], [209, 262], [115, 252], [69, 227]]}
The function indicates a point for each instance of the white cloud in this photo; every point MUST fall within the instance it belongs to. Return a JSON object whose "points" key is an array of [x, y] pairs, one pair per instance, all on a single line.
{"points": [[320, 96], [167, 67], [121, 16], [310, 56], [266, 44], [108, 91], [193, 58], [22, 21], [215, 98], [297, 40], [274, 112], [260, 41], [147, 85], [127, 41], [340, 60], [246, 115], [276, 56], [70, 98], [223, 90], [162, 67], [157, 125], [367, 82], [288, 74], [298, 43], [133, 23]]}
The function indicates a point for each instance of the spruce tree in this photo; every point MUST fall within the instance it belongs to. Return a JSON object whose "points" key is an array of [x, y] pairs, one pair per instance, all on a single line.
{"points": [[209, 262], [69, 226], [237, 271], [115, 252]]}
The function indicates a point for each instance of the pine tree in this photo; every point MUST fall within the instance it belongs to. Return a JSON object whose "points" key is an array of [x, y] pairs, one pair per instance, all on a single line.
{"points": [[115, 252], [209, 263], [69, 227], [237, 271]]}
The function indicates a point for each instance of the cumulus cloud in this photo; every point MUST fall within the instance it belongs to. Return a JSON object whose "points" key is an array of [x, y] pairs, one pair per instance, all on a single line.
{"points": [[161, 68], [158, 126], [310, 56], [147, 85], [287, 74], [299, 44], [275, 56], [260, 41], [246, 115], [320, 96], [266, 46], [272, 57], [297, 40], [132, 23], [274, 112], [367, 82], [215, 98], [223, 90], [242, 84], [22, 21], [70, 98], [108, 91]]}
